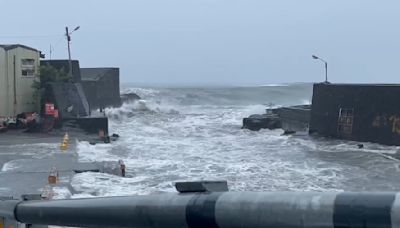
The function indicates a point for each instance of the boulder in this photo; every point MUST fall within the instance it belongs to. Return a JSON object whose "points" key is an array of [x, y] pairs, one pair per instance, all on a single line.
{"points": [[128, 97], [259, 121]]}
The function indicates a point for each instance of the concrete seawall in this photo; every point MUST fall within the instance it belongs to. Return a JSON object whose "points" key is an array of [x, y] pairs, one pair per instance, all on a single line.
{"points": [[30, 160]]}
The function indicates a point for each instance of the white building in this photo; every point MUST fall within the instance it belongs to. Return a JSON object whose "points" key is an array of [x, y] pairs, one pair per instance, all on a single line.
{"points": [[19, 66]]}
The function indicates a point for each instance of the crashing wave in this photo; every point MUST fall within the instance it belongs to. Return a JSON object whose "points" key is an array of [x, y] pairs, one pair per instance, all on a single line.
{"points": [[127, 110], [139, 107], [129, 97]]}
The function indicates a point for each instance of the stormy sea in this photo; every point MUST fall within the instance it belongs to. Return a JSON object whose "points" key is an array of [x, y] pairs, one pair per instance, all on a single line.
{"points": [[187, 134], [194, 133]]}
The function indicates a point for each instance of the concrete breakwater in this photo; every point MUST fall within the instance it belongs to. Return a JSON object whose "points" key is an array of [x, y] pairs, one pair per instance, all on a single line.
{"points": [[291, 119], [46, 168], [357, 112]]}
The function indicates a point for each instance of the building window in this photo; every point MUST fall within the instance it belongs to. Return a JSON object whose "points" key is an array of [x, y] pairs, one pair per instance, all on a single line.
{"points": [[28, 67]]}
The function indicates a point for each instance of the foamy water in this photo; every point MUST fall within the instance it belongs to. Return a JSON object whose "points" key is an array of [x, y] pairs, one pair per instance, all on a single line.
{"points": [[195, 134]]}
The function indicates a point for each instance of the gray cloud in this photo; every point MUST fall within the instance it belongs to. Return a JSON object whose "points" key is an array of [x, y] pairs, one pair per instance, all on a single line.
{"points": [[225, 42]]}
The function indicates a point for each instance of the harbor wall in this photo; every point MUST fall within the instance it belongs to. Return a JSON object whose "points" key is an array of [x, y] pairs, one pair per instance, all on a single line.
{"points": [[69, 99], [63, 64], [360, 112], [91, 125], [101, 86]]}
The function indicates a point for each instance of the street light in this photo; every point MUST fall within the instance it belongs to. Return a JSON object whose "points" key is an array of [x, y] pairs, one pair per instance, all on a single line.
{"points": [[326, 66], [68, 35]]}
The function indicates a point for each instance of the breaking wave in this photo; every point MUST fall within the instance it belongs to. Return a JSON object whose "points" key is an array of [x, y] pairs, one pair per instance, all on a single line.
{"points": [[186, 134]]}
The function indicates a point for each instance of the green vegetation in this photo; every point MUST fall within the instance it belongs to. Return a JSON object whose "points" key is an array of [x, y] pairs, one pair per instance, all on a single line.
{"points": [[48, 74]]}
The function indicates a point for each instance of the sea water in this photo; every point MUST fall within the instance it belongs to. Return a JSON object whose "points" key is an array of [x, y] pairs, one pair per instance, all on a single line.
{"points": [[194, 133]]}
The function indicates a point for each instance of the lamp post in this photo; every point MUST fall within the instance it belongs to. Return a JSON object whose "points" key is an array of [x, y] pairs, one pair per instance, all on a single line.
{"points": [[68, 35], [326, 66]]}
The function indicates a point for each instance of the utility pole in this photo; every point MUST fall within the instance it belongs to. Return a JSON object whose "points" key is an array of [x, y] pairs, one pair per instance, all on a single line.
{"points": [[326, 66], [68, 35], [326, 71], [69, 51]]}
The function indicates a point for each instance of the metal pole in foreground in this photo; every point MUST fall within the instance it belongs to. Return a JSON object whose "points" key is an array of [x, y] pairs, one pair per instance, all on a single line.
{"points": [[215, 209]]}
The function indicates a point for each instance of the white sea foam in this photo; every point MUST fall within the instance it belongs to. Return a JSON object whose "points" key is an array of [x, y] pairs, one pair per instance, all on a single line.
{"points": [[87, 184], [9, 166], [275, 85], [191, 134], [61, 193], [92, 153], [142, 92]]}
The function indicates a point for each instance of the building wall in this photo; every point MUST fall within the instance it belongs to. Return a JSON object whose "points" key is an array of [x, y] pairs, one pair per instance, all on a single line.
{"points": [[90, 88], [3, 84], [108, 90], [369, 112], [63, 64], [101, 87], [19, 94], [69, 99]]}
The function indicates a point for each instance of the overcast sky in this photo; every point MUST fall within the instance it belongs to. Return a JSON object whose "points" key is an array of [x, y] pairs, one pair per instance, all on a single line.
{"points": [[220, 42]]}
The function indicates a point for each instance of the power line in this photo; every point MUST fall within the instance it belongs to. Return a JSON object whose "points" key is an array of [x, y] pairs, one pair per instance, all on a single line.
{"points": [[33, 36]]}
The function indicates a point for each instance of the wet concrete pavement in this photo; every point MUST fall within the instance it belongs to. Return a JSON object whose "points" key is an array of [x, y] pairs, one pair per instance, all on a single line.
{"points": [[28, 159]]}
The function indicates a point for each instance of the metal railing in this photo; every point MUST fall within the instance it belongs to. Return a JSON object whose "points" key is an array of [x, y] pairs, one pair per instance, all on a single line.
{"points": [[214, 209]]}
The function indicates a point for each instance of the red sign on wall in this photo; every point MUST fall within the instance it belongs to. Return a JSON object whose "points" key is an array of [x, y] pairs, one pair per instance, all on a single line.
{"points": [[49, 109]]}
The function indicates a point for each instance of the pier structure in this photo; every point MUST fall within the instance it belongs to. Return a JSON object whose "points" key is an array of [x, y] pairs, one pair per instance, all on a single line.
{"points": [[33, 169], [358, 112]]}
